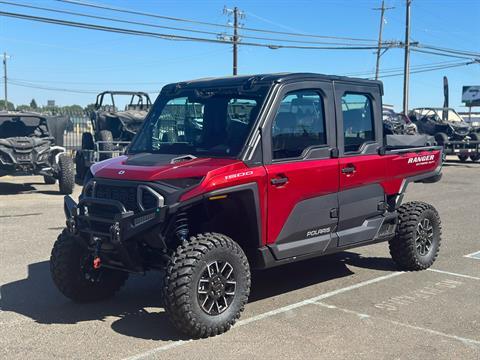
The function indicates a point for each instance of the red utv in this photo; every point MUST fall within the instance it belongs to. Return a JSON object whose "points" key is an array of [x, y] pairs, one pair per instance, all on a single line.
{"points": [[243, 172]]}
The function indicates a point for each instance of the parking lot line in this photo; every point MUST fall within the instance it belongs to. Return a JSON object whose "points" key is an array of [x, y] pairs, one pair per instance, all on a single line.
{"points": [[414, 327], [274, 312], [454, 274], [474, 255]]}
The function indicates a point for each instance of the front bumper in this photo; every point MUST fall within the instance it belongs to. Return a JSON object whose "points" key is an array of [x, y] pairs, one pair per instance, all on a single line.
{"points": [[113, 223], [462, 147]]}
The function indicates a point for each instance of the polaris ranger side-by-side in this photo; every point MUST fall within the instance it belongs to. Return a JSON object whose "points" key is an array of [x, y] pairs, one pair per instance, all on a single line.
{"points": [[229, 174]]}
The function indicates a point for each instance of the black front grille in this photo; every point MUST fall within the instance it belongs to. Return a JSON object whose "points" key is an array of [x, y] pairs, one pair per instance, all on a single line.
{"points": [[127, 195]]}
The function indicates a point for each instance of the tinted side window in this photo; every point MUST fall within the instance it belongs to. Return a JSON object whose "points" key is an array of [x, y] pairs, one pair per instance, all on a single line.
{"points": [[299, 124], [358, 125]]}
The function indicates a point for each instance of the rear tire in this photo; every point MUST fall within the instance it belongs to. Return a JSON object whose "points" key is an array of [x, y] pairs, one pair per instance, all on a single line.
{"points": [[49, 180], [475, 157], [66, 176], [207, 285], [441, 138], [72, 273], [463, 158], [107, 145], [79, 165], [87, 141], [418, 236]]}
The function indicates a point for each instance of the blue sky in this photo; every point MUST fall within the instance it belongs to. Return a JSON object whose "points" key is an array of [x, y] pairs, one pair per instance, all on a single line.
{"points": [[66, 58]]}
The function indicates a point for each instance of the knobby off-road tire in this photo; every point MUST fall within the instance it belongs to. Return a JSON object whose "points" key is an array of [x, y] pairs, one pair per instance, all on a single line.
{"points": [[66, 174], [87, 141], [80, 166], [190, 291], [105, 135], [417, 241], [49, 180], [72, 272]]}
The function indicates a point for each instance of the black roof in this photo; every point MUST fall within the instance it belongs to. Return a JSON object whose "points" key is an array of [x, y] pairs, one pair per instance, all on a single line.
{"points": [[115, 92], [265, 79], [21, 114]]}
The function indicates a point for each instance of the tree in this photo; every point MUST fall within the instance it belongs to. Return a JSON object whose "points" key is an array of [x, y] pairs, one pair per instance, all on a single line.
{"points": [[90, 108], [33, 104], [23, 108], [11, 106]]}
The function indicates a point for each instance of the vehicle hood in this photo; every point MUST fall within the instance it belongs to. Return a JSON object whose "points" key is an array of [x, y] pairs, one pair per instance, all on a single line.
{"points": [[152, 167], [131, 120], [24, 143], [460, 127]]}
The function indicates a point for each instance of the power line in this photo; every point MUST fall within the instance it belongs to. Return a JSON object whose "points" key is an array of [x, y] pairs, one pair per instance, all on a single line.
{"points": [[74, 13], [74, 91], [451, 51], [104, 7], [171, 36], [432, 69], [396, 69], [419, 50]]}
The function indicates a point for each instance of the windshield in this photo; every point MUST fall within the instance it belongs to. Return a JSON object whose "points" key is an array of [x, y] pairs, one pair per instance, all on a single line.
{"points": [[203, 123], [452, 115], [21, 126]]}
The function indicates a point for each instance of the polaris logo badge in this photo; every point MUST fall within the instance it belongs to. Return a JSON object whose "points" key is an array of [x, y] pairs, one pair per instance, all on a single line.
{"points": [[421, 160], [121, 172], [318, 232]]}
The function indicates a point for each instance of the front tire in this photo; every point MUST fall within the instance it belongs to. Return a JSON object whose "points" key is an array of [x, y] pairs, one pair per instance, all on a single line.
{"points": [[441, 138], [73, 274], [463, 158], [418, 236], [49, 180], [207, 285], [66, 174], [106, 145]]}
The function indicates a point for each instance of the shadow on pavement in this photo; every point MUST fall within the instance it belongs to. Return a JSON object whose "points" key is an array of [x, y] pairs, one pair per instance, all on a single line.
{"points": [[14, 188], [36, 296]]}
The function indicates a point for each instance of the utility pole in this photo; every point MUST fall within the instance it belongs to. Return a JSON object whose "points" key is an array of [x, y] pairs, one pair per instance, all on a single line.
{"points": [[406, 70], [5, 78], [379, 51], [235, 39]]}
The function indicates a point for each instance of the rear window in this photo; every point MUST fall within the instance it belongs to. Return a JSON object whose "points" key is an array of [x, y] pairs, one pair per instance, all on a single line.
{"points": [[358, 122]]}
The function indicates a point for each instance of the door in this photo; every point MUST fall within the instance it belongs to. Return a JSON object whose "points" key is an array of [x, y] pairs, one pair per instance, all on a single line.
{"points": [[361, 168], [302, 203]]}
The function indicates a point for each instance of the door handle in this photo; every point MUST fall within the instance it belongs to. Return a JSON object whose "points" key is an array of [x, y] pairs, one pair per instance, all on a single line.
{"points": [[349, 169], [279, 181]]}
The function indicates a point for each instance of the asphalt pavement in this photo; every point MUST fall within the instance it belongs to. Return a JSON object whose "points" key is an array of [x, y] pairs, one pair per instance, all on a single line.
{"points": [[352, 305]]}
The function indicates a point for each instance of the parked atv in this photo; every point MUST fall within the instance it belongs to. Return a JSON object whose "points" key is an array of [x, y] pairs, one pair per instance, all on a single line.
{"points": [[28, 147], [113, 129], [397, 124], [244, 172], [450, 131]]}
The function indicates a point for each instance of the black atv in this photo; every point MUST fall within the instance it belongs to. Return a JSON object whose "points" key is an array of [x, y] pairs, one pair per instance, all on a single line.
{"points": [[30, 145], [397, 124], [450, 131], [113, 129]]}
